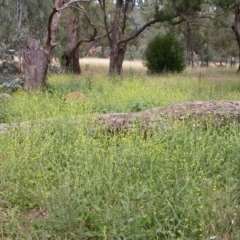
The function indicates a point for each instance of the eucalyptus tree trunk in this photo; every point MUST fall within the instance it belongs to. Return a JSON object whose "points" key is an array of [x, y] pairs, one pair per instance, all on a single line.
{"points": [[35, 62], [190, 61], [116, 30], [235, 28], [71, 57], [71, 54], [116, 58], [36, 58], [117, 50]]}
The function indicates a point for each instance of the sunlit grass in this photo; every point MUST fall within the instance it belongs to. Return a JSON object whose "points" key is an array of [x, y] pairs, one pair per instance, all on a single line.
{"points": [[63, 179], [91, 66]]}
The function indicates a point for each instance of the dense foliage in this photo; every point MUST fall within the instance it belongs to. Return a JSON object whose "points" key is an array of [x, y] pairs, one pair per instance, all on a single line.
{"points": [[164, 54]]}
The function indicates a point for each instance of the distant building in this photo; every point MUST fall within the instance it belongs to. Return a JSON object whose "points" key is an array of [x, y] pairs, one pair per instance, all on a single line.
{"points": [[95, 48]]}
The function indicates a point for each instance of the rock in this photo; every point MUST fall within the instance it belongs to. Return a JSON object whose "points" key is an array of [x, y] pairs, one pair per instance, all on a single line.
{"points": [[10, 82], [56, 69], [5, 96], [75, 96], [10, 78], [160, 116], [9, 68]]}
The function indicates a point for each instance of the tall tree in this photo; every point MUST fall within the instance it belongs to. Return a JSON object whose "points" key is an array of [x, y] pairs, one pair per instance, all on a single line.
{"points": [[117, 22], [71, 54]]}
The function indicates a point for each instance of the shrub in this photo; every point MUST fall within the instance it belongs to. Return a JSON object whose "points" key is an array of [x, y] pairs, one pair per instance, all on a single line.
{"points": [[164, 54]]}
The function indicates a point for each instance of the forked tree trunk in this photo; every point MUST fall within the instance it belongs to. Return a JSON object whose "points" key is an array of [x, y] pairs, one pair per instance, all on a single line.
{"points": [[71, 55], [35, 62], [116, 32]]}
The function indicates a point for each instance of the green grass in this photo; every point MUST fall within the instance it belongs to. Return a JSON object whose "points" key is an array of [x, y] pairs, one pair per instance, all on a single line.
{"points": [[62, 180], [106, 95]]}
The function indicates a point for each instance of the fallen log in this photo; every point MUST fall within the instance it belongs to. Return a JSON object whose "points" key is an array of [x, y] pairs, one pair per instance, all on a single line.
{"points": [[218, 110]]}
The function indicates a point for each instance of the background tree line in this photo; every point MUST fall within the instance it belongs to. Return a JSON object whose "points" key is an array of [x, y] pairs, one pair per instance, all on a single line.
{"points": [[208, 30]]}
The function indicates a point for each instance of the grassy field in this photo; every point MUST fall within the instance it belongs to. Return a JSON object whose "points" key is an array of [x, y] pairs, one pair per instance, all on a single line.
{"points": [[65, 180]]}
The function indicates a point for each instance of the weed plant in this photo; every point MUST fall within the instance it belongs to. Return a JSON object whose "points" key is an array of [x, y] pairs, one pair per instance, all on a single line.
{"points": [[64, 179]]}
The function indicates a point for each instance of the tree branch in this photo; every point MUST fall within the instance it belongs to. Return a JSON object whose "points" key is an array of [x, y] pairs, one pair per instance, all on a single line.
{"points": [[49, 38], [69, 4], [102, 4], [125, 17], [53, 20], [92, 37], [177, 22], [140, 30], [148, 24]]}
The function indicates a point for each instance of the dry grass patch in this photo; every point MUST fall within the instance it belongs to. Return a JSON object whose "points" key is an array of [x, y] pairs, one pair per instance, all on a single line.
{"points": [[101, 65], [75, 96]]}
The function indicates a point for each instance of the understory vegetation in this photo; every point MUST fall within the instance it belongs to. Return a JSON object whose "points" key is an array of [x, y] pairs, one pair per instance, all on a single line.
{"points": [[62, 177]]}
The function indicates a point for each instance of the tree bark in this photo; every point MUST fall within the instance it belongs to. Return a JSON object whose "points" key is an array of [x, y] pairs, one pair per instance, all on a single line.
{"points": [[116, 58], [35, 62], [190, 61], [115, 66], [71, 55], [35, 58], [71, 58], [236, 31], [116, 30]]}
